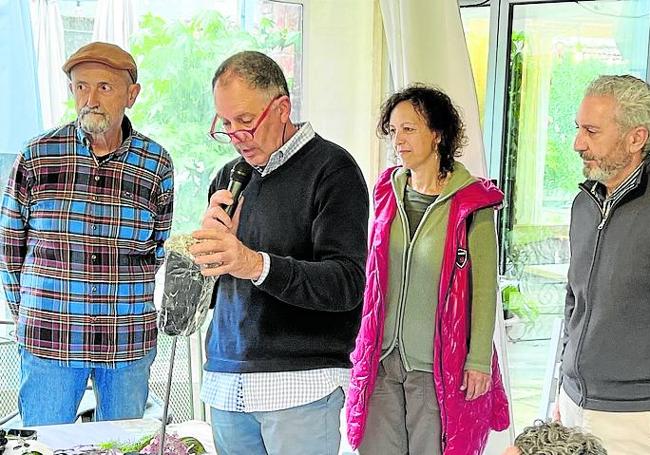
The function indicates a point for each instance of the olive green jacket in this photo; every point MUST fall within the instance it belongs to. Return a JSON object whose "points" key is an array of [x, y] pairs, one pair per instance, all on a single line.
{"points": [[414, 278]]}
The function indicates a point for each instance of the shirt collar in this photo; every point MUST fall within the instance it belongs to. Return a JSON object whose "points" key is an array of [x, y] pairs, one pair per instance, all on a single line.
{"points": [[304, 134], [599, 190], [127, 136]]}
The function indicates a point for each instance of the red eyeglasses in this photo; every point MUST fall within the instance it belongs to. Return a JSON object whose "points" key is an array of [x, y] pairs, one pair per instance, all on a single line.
{"points": [[242, 135]]}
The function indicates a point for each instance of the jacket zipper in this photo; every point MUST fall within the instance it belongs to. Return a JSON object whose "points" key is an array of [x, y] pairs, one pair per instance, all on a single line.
{"points": [[409, 242], [406, 257], [605, 213]]}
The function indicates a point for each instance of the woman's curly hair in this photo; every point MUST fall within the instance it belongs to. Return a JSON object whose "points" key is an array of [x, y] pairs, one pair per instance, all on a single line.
{"points": [[553, 438], [440, 114]]}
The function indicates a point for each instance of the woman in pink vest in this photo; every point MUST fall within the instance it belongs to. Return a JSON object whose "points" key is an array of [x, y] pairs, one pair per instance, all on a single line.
{"points": [[425, 376]]}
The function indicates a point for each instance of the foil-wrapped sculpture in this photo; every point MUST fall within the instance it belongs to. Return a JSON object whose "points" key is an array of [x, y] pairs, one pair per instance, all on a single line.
{"points": [[186, 293], [186, 296]]}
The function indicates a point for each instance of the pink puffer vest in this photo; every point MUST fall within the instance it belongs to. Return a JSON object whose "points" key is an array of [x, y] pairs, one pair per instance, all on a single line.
{"points": [[465, 424]]}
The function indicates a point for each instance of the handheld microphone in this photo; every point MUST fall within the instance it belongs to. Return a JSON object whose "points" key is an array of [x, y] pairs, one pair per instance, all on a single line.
{"points": [[240, 175]]}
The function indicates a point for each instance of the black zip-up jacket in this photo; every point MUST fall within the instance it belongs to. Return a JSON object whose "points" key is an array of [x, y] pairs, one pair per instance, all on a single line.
{"points": [[606, 358]]}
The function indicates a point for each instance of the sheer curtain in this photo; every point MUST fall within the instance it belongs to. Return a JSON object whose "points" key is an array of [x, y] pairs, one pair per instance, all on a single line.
{"points": [[426, 43], [114, 22], [50, 54]]}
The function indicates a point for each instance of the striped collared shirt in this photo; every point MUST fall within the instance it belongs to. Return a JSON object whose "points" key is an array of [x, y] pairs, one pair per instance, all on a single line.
{"points": [[81, 238], [256, 392], [304, 134], [606, 202]]}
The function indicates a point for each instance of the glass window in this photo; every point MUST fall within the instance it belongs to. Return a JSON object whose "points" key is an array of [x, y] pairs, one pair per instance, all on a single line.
{"points": [[556, 50], [177, 58], [78, 19], [178, 46]]}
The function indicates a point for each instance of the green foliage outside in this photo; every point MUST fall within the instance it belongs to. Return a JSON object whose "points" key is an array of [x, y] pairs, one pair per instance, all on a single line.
{"points": [[176, 62], [193, 445], [563, 168], [516, 303], [507, 215]]}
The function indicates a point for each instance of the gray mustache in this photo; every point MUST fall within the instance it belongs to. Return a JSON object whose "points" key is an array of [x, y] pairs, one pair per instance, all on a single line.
{"points": [[87, 110]]}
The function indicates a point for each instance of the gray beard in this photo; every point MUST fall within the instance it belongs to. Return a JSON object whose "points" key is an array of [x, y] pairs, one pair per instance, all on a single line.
{"points": [[92, 125]]}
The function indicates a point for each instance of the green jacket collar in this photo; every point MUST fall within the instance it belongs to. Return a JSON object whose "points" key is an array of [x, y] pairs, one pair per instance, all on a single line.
{"points": [[460, 178]]}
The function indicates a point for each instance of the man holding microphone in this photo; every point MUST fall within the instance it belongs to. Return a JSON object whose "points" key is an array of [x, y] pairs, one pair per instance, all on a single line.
{"points": [[291, 266]]}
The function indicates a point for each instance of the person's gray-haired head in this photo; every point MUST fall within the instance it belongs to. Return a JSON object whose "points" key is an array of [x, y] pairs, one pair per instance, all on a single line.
{"points": [[258, 70], [632, 97], [553, 438]]}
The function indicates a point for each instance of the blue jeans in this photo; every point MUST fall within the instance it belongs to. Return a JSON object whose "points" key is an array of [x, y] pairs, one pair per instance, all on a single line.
{"points": [[311, 429], [50, 394]]}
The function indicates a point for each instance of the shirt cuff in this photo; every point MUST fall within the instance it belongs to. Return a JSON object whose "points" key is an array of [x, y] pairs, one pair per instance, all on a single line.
{"points": [[265, 269]]}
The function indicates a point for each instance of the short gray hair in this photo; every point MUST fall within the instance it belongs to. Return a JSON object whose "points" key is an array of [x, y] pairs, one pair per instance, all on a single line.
{"points": [[632, 96], [258, 70], [552, 438]]}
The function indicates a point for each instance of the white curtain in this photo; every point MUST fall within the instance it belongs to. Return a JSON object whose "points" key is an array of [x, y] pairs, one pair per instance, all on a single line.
{"points": [[47, 29], [426, 43], [114, 22]]}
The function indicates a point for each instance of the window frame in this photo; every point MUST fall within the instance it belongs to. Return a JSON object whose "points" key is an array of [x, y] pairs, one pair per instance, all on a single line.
{"points": [[496, 103]]}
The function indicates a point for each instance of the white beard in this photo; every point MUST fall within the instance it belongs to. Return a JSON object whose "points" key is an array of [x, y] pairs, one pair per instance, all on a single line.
{"points": [[94, 122]]}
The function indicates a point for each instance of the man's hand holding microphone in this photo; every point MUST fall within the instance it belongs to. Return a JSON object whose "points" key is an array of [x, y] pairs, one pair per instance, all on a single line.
{"points": [[218, 250]]}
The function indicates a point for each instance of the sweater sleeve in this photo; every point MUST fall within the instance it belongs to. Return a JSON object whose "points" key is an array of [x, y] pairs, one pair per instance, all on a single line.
{"points": [[333, 279], [482, 245]]}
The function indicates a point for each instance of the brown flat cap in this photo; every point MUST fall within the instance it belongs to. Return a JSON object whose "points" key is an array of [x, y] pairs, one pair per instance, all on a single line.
{"points": [[108, 54]]}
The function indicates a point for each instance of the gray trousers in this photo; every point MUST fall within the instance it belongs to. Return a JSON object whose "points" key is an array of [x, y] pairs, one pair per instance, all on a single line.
{"points": [[403, 415]]}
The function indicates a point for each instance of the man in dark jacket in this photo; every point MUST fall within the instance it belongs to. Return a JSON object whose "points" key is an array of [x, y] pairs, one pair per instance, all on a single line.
{"points": [[291, 267], [606, 360]]}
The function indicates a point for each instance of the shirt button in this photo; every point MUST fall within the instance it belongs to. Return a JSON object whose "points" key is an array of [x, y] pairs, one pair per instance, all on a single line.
{"points": [[93, 257], [94, 198], [94, 288], [94, 227], [93, 319], [97, 177]]}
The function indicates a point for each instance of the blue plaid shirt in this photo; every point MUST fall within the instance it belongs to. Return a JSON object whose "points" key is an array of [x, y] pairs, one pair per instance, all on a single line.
{"points": [[81, 238]]}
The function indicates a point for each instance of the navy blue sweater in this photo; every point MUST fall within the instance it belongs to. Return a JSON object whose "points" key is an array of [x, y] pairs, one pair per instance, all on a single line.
{"points": [[311, 216]]}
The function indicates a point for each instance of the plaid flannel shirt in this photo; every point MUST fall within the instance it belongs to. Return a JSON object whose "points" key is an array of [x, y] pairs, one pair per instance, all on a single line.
{"points": [[81, 238]]}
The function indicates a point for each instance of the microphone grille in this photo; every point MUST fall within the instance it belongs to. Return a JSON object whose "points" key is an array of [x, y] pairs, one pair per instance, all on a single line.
{"points": [[241, 172]]}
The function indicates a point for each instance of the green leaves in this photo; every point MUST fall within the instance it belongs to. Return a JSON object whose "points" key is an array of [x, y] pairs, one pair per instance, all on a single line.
{"points": [[176, 63], [194, 446]]}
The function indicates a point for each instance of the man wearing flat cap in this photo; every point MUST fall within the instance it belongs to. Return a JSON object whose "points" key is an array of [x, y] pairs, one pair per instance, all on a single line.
{"points": [[84, 218]]}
